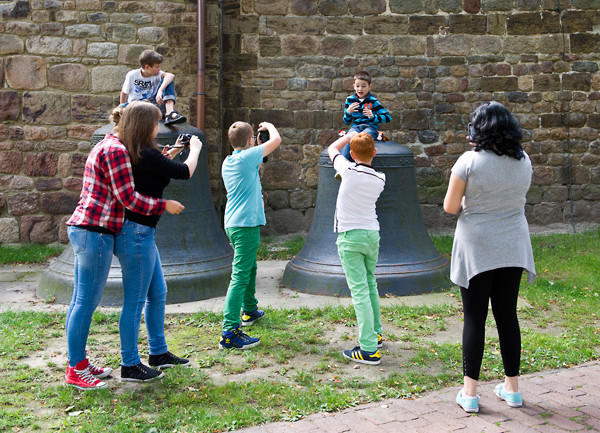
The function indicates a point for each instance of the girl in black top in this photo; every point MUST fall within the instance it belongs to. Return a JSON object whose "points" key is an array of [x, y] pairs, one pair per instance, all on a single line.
{"points": [[143, 280]]}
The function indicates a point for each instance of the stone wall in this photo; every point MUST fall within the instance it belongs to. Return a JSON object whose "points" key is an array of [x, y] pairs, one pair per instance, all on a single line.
{"points": [[291, 62]]}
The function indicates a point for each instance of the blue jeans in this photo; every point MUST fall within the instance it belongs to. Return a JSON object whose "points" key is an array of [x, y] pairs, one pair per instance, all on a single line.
{"points": [[168, 94], [370, 129], [93, 255], [143, 284]]}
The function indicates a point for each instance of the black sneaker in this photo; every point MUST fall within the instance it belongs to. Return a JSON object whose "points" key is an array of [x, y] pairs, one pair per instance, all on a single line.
{"points": [[139, 373], [248, 318], [167, 360], [359, 355]]}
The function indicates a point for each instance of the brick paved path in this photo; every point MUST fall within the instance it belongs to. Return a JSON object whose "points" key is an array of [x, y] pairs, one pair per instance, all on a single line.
{"points": [[556, 401]]}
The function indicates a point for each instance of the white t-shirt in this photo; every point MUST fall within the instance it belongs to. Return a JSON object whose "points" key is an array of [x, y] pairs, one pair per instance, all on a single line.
{"points": [[360, 188], [138, 88]]}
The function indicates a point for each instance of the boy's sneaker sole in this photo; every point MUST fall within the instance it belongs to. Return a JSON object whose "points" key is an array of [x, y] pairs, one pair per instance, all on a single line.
{"points": [[362, 357]]}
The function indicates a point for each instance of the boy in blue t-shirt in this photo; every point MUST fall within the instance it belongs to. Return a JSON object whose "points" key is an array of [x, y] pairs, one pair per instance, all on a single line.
{"points": [[363, 111], [244, 214]]}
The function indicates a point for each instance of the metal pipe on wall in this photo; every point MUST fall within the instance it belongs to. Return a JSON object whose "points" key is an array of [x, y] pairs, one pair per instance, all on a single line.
{"points": [[201, 73]]}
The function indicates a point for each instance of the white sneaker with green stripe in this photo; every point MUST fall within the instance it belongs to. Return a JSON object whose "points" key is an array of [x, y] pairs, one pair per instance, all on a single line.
{"points": [[359, 355]]}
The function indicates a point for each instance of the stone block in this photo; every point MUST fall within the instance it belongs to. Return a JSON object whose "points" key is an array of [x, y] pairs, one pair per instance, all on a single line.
{"points": [[426, 24], [46, 108], [375, 45], [415, 119], [408, 46], [288, 221], [107, 79], [68, 76], [151, 35], [10, 105], [282, 175], [24, 203], [584, 42], [577, 22], [16, 9], [59, 203], [26, 72], [551, 120], [533, 23], [38, 229], [577, 81], [20, 182], [52, 29], [91, 108], [9, 231], [40, 164], [117, 32], [468, 24], [497, 5], [278, 199], [386, 25], [472, 6], [106, 50], [270, 46], [316, 120], [303, 199], [10, 162], [333, 7], [130, 53], [240, 62], [97, 17], [452, 6], [49, 45], [371, 7], [544, 83], [304, 7], [48, 184], [338, 46], [406, 6], [503, 84], [271, 7], [299, 45], [584, 66], [35, 132], [21, 28]]}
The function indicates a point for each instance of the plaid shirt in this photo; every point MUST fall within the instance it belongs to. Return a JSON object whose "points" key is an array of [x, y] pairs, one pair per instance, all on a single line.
{"points": [[108, 189]]}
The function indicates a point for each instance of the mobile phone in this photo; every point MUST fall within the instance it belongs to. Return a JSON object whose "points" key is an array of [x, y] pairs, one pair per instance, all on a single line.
{"points": [[471, 132]]}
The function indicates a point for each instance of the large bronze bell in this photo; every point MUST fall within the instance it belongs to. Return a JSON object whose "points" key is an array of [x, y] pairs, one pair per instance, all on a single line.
{"points": [[195, 254], [408, 261]]}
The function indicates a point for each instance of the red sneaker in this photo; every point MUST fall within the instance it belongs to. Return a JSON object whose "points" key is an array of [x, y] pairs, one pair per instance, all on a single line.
{"points": [[81, 378], [99, 372]]}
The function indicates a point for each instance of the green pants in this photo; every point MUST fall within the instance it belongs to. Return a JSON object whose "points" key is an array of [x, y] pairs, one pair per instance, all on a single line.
{"points": [[359, 251], [242, 287]]}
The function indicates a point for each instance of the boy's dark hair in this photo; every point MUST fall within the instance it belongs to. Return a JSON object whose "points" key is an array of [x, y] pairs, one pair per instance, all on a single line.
{"points": [[496, 130], [363, 75], [239, 134], [150, 58], [362, 146]]}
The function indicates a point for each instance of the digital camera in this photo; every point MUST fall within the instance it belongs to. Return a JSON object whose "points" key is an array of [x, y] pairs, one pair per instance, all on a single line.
{"points": [[264, 136], [184, 139]]}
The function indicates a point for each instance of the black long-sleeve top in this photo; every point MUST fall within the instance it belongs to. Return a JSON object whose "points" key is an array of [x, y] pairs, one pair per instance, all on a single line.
{"points": [[152, 174]]}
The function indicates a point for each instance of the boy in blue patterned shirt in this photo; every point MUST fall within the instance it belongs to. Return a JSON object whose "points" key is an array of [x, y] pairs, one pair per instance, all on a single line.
{"points": [[363, 111]]}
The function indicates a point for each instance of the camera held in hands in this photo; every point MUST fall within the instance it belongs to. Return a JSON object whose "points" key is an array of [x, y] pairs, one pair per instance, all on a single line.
{"points": [[184, 139], [264, 136]]}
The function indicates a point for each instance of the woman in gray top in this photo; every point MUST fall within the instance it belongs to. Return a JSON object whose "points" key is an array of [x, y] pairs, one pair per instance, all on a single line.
{"points": [[491, 244]]}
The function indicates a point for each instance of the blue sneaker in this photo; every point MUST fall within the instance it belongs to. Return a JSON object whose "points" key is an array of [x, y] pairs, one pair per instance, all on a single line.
{"points": [[359, 355], [469, 404], [513, 399], [379, 341], [248, 318], [236, 339]]}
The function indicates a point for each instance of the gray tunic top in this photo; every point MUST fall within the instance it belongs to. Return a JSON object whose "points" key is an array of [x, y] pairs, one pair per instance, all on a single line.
{"points": [[491, 231]]}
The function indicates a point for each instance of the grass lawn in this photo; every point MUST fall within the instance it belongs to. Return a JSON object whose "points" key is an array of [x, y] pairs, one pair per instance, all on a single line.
{"points": [[298, 368]]}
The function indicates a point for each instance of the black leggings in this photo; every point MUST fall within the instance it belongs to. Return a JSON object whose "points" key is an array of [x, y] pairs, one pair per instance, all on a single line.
{"points": [[502, 287]]}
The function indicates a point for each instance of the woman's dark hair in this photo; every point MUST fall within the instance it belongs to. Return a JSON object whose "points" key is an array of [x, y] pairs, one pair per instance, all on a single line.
{"points": [[496, 130], [136, 127]]}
